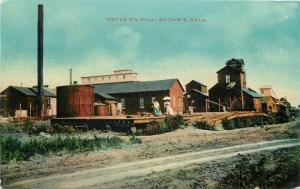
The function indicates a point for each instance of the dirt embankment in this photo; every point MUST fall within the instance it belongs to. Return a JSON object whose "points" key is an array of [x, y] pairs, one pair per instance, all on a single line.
{"points": [[110, 176], [277, 169], [181, 141]]}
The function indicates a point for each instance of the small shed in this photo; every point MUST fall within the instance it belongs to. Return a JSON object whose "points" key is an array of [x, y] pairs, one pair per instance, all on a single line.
{"points": [[105, 105], [196, 96], [15, 99], [252, 100]]}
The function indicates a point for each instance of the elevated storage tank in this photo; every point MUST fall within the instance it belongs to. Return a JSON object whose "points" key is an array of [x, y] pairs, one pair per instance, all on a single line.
{"points": [[75, 101]]}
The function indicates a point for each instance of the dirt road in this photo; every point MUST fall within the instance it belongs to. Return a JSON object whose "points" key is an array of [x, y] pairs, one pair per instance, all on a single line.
{"points": [[105, 176]]}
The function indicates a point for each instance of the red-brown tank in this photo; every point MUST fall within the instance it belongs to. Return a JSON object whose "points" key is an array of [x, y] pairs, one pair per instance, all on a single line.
{"points": [[75, 101]]}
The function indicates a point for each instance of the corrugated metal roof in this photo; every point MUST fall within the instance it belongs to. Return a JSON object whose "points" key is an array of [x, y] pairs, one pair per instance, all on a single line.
{"points": [[28, 91], [197, 83], [252, 93], [197, 91], [24, 90], [136, 86], [106, 96], [46, 92]]}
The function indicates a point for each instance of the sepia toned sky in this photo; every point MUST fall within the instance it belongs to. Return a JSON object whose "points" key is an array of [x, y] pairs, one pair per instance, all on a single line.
{"points": [[81, 35]]}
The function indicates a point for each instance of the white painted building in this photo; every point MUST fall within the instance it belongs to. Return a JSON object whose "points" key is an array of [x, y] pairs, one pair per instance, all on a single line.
{"points": [[117, 77]]}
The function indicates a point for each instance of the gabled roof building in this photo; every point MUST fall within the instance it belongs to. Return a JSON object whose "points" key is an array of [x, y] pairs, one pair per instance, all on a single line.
{"points": [[196, 96], [24, 98], [137, 96], [231, 90]]}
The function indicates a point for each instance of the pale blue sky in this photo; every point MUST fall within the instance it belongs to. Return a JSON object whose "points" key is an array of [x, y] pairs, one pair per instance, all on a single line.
{"points": [[77, 34]]}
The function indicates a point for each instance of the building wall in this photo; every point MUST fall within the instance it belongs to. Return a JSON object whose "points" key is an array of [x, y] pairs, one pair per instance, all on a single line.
{"points": [[176, 95], [252, 104], [132, 101], [266, 91], [235, 76], [16, 100], [228, 97], [257, 105], [194, 85], [116, 77], [232, 98], [101, 110], [196, 100], [270, 106], [52, 109], [75, 101]]}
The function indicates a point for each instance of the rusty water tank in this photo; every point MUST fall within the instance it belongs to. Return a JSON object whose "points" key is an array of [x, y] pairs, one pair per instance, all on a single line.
{"points": [[75, 101]]}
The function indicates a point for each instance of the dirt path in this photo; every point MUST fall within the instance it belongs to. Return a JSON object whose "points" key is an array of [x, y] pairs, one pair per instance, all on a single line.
{"points": [[102, 177]]}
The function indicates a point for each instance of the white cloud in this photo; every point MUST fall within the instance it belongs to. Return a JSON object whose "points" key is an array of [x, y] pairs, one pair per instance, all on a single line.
{"points": [[128, 41], [127, 38]]}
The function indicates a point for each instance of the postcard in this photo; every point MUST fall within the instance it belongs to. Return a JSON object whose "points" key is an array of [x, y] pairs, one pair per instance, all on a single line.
{"points": [[149, 94]]}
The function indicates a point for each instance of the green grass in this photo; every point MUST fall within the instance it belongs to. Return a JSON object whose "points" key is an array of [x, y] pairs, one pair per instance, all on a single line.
{"points": [[13, 149]]}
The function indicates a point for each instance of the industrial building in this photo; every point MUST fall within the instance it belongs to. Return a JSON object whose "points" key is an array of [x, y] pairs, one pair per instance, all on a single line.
{"points": [[22, 102], [117, 77], [196, 97], [231, 90], [135, 97], [269, 101]]}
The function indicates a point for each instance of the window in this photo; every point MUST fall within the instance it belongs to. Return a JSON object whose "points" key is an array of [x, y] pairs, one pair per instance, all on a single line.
{"points": [[124, 76], [123, 103], [141, 102], [227, 78]]}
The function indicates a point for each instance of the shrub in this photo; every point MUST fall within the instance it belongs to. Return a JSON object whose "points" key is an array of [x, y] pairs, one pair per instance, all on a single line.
{"points": [[134, 140], [228, 124], [35, 128], [10, 128], [156, 127], [264, 170], [9, 149], [174, 122], [163, 127], [243, 122], [153, 128], [202, 125], [68, 129]]}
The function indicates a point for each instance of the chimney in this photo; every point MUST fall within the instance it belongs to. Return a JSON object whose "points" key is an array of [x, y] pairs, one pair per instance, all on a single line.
{"points": [[70, 76], [40, 58]]}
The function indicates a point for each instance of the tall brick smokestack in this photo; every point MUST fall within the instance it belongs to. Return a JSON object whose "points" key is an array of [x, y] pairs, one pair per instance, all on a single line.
{"points": [[40, 59]]}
